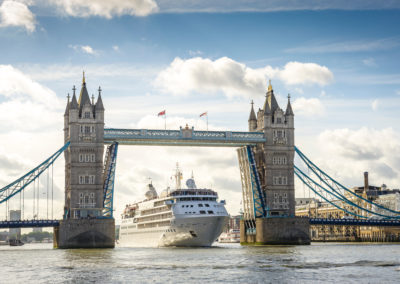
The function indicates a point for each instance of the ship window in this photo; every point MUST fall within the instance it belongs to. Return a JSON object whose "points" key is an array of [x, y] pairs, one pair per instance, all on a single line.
{"points": [[183, 206], [210, 212], [207, 205], [202, 212], [200, 205], [191, 205]]}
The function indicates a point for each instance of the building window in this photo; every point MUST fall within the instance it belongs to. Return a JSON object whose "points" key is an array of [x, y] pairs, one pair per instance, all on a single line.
{"points": [[279, 120], [279, 180], [279, 160], [80, 158], [92, 157], [87, 114], [87, 129], [81, 128], [87, 179]]}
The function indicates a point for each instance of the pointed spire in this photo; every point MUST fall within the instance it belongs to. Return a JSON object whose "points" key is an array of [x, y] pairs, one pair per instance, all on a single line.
{"points": [[67, 108], [269, 86], [84, 96], [74, 103], [271, 100], [289, 110], [266, 108], [252, 113], [99, 104]]}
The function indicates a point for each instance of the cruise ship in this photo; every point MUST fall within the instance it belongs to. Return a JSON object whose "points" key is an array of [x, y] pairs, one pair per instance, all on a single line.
{"points": [[188, 216]]}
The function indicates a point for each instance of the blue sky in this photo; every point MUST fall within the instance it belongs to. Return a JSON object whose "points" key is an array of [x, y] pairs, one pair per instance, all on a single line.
{"points": [[337, 59]]}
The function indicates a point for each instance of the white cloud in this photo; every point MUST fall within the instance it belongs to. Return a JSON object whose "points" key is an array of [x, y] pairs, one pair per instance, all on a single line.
{"points": [[17, 14], [349, 46], [234, 78], [58, 72], [15, 85], [115, 48], [369, 62], [271, 5], [173, 122], [308, 107], [348, 153], [84, 48], [30, 117], [299, 90], [106, 8], [375, 104], [195, 52], [305, 73]]}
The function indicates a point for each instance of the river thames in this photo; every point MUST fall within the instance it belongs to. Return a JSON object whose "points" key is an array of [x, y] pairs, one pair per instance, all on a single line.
{"points": [[227, 263]]}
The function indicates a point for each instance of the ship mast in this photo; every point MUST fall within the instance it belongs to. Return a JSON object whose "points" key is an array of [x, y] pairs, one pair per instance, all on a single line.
{"points": [[178, 177]]}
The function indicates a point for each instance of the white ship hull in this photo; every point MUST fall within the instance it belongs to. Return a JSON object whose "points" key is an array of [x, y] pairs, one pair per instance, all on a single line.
{"points": [[196, 231]]}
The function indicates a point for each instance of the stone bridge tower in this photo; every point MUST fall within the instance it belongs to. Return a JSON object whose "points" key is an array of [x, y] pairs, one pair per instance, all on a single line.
{"points": [[84, 128], [275, 165]]}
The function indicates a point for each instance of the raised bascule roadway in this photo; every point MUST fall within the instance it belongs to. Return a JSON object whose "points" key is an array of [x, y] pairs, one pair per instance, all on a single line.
{"points": [[266, 160]]}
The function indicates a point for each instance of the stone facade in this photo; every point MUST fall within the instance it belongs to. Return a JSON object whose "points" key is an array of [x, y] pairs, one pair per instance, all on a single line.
{"points": [[275, 166], [84, 128], [83, 225], [275, 158]]}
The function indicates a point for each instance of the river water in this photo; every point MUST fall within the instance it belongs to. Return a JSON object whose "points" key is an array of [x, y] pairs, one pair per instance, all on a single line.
{"points": [[227, 263]]}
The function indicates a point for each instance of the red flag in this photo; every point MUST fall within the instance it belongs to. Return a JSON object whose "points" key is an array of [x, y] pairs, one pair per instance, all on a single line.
{"points": [[204, 113], [161, 113]]}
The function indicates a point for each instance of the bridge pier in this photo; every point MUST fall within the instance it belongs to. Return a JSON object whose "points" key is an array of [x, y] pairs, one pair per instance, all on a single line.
{"points": [[277, 231], [85, 233]]}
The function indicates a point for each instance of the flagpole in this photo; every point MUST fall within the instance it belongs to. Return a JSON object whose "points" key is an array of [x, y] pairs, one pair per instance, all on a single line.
{"points": [[165, 120], [207, 121]]}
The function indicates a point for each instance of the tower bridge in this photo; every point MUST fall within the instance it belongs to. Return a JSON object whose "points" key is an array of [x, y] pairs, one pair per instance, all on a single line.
{"points": [[266, 160]]}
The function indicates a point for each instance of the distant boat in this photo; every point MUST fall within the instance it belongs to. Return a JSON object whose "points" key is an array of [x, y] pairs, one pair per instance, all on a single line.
{"points": [[232, 236], [15, 243]]}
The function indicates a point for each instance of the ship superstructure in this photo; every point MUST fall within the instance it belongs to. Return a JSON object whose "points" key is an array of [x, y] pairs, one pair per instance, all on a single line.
{"points": [[179, 217]]}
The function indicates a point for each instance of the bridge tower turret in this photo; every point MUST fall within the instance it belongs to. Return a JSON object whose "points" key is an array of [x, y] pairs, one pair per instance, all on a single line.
{"points": [[84, 158], [278, 157], [275, 165], [84, 128], [252, 119]]}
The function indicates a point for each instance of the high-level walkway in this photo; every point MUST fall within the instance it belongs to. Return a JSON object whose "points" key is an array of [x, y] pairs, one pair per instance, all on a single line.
{"points": [[182, 137]]}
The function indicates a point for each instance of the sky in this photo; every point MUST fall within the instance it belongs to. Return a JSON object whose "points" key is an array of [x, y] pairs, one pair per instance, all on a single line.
{"points": [[338, 60]]}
